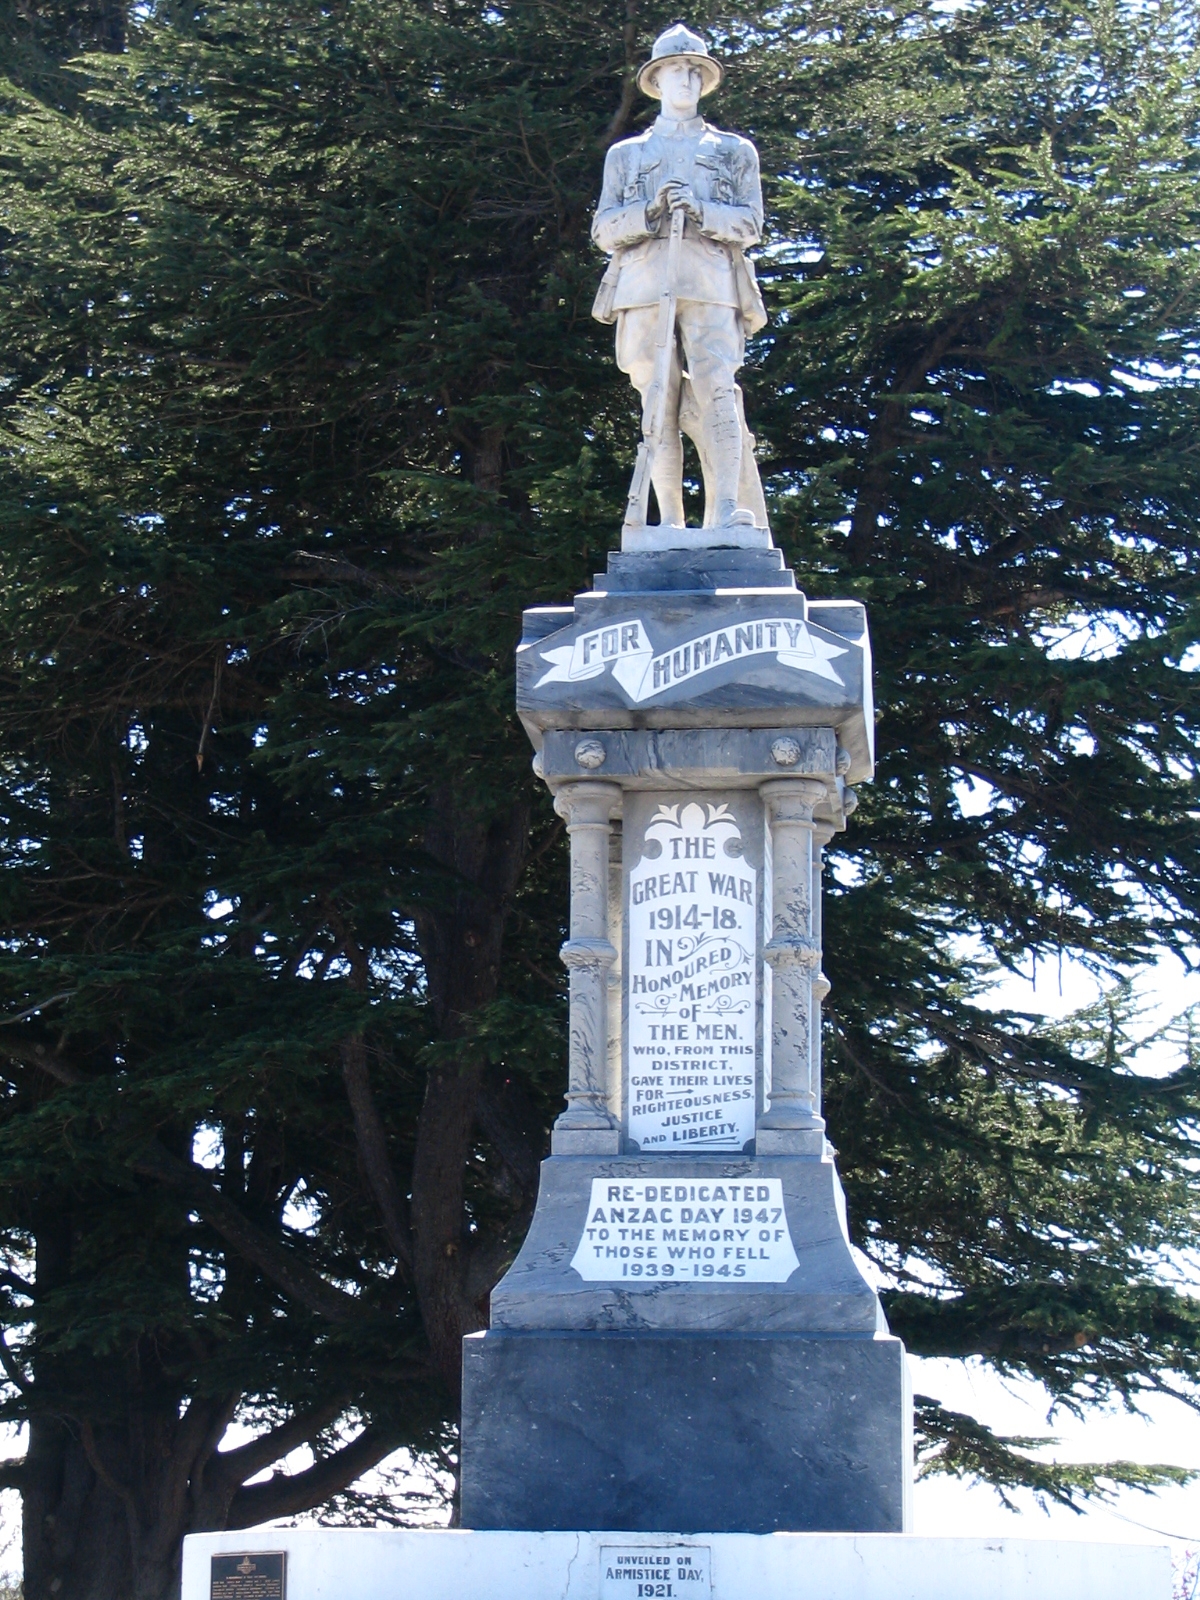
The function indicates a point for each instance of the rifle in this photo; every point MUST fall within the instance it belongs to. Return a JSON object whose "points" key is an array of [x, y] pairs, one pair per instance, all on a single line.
{"points": [[638, 503]]}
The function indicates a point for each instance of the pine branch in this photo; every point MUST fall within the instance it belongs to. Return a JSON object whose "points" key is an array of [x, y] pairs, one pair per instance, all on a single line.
{"points": [[12, 1367], [52, 1063], [287, 1496], [957, 1445], [35, 1010], [278, 1263], [618, 123], [373, 1150], [231, 1467]]}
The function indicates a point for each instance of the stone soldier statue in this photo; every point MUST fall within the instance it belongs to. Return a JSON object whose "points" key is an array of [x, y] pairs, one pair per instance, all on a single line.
{"points": [[680, 204]]}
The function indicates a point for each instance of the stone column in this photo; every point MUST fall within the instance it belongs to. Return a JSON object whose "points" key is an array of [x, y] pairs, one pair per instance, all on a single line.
{"points": [[793, 1124], [587, 1127], [823, 832], [616, 937]]}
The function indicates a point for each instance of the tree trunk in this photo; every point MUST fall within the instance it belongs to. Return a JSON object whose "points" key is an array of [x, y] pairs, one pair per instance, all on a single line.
{"points": [[107, 1482], [75, 1535], [460, 946]]}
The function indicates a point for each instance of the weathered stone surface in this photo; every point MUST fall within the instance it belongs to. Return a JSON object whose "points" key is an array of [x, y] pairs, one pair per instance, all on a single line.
{"points": [[587, 1125], [656, 537], [743, 1432], [826, 1294], [689, 758], [820, 685], [585, 1141]]}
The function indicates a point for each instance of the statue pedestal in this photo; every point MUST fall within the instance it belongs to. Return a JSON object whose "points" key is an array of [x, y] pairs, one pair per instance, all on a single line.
{"points": [[687, 1339]]}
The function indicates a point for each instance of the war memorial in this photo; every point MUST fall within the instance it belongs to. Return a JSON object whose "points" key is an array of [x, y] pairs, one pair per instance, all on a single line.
{"points": [[688, 1386]]}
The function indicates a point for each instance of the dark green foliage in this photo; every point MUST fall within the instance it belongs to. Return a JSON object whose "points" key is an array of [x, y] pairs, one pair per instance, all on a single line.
{"points": [[302, 403], [958, 1444]]}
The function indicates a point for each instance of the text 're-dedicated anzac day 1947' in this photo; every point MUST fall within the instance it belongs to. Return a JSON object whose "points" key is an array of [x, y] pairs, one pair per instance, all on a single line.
{"points": [[685, 1231]]}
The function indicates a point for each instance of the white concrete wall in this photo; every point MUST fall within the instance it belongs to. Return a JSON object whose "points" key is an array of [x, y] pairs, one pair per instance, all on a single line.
{"points": [[368, 1564]]}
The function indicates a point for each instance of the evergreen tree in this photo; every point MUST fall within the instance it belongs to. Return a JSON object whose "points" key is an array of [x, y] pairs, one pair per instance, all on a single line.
{"points": [[302, 403]]}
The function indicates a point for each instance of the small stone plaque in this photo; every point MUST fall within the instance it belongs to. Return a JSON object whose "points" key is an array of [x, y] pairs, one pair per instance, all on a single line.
{"points": [[252, 1575], [715, 1231], [656, 1572]]}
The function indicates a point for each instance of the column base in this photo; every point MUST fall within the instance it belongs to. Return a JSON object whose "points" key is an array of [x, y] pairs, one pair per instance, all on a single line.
{"points": [[789, 1141], [827, 1293], [585, 1141]]}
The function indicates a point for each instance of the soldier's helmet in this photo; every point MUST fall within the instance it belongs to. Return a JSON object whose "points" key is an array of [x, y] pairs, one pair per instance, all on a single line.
{"points": [[680, 43]]}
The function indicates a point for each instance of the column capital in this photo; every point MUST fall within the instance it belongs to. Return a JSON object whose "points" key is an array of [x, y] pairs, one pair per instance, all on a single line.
{"points": [[792, 799], [587, 803]]}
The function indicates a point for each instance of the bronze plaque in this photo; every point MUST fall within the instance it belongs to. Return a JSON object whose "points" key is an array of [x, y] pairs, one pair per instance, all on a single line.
{"points": [[256, 1575]]}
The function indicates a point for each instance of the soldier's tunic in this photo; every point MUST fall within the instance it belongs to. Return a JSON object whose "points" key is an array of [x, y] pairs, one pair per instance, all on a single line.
{"points": [[722, 169]]}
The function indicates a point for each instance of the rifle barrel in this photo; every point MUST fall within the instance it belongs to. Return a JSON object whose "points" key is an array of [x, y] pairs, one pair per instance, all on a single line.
{"points": [[639, 489]]}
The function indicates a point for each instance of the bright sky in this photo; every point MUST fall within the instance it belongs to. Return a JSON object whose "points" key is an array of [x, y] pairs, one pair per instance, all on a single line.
{"points": [[1169, 1433]]}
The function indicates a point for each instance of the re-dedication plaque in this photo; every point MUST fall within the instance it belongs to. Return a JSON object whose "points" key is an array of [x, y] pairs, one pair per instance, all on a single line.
{"points": [[686, 1231], [655, 1572], [691, 991], [253, 1575]]}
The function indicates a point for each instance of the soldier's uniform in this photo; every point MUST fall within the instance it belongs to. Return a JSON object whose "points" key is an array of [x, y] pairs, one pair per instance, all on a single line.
{"points": [[718, 298]]}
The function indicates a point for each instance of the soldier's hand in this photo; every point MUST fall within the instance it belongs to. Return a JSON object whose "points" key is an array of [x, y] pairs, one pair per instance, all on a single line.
{"points": [[656, 207], [682, 197]]}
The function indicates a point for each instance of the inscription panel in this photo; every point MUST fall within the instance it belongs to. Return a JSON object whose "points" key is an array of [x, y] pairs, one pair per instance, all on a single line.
{"points": [[691, 997], [656, 1572], [253, 1575], [685, 1231]]}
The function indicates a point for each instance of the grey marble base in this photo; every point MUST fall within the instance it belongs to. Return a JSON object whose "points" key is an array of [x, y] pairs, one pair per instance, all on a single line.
{"points": [[729, 1433], [639, 571], [593, 665], [692, 758]]}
